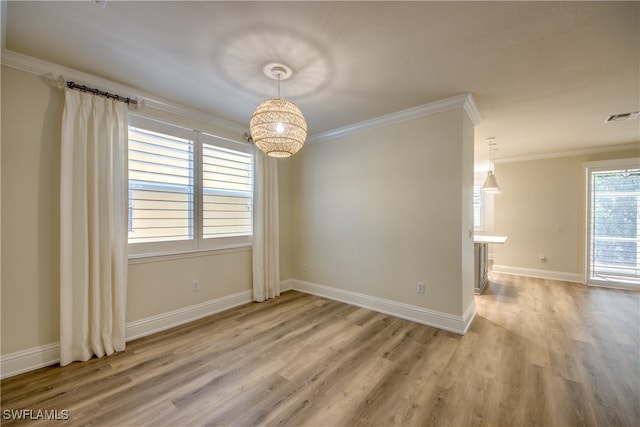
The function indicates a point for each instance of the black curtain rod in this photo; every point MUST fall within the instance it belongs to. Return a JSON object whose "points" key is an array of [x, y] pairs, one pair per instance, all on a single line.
{"points": [[83, 88]]}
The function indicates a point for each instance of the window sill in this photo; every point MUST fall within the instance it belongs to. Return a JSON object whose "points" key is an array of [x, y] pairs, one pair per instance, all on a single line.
{"points": [[168, 256]]}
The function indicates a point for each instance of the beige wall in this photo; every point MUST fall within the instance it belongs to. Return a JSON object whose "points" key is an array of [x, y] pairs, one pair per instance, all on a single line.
{"points": [[31, 117], [158, 287], [285, 180], [378, 211], [542, 211], [466, 194], [373, 213]]}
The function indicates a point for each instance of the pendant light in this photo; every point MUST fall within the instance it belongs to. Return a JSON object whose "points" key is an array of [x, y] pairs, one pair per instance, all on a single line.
{"points": [[491, 183], [277, 126]]}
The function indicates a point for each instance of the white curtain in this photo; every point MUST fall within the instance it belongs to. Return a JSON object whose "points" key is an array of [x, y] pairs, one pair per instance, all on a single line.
{"points": [[93, 226], [266, 229]]}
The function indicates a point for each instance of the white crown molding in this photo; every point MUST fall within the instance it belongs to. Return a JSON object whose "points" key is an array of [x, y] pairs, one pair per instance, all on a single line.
{"points": [[459, 101], [472, 109], [436, 319], [571, 153], [53, 71]]}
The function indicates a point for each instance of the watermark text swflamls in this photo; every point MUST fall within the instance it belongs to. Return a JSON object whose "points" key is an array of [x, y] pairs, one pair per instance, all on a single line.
{"points": [[36, 414]]}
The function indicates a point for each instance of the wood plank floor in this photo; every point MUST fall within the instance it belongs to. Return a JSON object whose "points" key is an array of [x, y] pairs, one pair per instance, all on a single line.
{"points": [[539, 353]]}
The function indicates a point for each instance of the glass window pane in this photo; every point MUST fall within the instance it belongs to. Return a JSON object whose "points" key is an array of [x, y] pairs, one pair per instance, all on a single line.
{"points": [[615, 238], [160, 187], [226, 192]]}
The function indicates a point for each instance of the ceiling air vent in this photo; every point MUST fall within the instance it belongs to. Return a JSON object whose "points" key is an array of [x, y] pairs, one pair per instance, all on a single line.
{"points": [[622, 117]]}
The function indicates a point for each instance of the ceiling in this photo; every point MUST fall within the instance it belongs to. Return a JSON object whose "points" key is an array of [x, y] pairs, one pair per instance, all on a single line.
{"points": [[544, 75]]}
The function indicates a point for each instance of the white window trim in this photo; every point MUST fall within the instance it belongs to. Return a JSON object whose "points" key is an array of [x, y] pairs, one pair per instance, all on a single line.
{"points": [[159, 257], [198, 245], [589, 167]]}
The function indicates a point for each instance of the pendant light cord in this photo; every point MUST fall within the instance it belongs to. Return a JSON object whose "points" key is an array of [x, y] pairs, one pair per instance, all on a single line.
{"points": [[279, 85], [278, 71], [491, 158], [492, 149]]}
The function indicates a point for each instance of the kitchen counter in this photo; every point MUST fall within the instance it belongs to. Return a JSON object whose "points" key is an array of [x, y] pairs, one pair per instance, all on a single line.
{"points": [[481, 266], [489, 239]]}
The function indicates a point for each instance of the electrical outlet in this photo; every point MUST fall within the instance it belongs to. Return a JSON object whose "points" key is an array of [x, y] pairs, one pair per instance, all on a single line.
{"points": [[420, 287], [195, 286]]}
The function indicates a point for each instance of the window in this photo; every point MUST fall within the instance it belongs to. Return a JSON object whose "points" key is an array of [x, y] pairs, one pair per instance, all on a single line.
{"points": [[226, 192], [613, 240], [477, 207], [161, 186], [188, 190]]}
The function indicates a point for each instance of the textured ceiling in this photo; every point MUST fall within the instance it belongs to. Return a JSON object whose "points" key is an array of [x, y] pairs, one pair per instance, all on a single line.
{"points": [[544, 75]]}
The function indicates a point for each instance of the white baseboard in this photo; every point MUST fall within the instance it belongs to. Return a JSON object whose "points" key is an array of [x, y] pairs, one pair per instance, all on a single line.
{"points": [[437, 319], [151, 325], [49, 354], [29, 359], [469, 315], [286, 285], [541, 274]]}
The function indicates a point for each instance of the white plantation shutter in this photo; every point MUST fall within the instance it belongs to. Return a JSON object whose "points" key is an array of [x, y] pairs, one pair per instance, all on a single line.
{"points": [[188, 190], [226, 192], [161, 187], [477, 207]]}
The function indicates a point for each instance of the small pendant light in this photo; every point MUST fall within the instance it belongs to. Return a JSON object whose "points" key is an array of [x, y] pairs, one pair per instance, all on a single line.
{"points": [[491, 183]]}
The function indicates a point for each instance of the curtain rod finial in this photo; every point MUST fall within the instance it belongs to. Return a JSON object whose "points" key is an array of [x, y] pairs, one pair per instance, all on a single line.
{"points": [[138, 105], [58, 82], [61, 83]]}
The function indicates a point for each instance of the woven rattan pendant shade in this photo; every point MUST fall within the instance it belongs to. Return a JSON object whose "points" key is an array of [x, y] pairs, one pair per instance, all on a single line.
{"points": [[278, 127]]}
